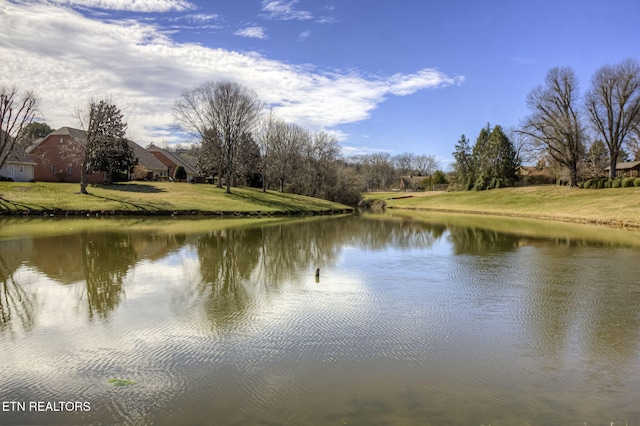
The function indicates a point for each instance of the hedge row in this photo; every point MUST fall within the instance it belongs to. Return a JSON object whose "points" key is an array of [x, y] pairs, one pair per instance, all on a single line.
{"points": [[610, 183]]}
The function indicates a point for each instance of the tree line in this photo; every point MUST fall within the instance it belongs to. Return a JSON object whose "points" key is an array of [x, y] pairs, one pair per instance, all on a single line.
{"points": [[244, 143], [576, 130], [241, 142]]}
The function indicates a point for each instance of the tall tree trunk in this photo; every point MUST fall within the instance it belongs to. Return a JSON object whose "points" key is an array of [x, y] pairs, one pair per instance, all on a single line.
{"points": [[613, 162], [573, 177], [83, 177]]}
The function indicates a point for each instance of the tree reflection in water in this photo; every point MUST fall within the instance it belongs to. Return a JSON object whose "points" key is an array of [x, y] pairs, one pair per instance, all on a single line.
{"points": [[106, 259], [17, 306]]}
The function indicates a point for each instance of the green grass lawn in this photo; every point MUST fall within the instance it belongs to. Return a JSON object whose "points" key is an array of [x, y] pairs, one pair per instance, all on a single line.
{"points": [[152, 197], [615, 206]]}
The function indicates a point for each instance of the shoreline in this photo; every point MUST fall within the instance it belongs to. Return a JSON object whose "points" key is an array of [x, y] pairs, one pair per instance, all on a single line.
{"points": [[171, 213], [614, 208], [635, 226]]}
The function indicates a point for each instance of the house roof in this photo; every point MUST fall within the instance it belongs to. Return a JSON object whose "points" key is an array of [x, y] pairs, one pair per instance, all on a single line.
{"points": [[145, 158], [626, 166], [63, 131], [181, 161], [411, 180], [19, 156]]}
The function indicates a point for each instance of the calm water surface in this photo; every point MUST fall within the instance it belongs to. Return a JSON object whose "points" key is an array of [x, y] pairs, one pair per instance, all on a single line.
{"points": [[411, 322]]}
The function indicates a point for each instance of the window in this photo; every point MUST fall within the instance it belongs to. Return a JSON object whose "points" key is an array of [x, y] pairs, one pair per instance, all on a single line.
{"points": [[61, 140], [11, 170], [53, 170], [69, 170], [21, 169]]}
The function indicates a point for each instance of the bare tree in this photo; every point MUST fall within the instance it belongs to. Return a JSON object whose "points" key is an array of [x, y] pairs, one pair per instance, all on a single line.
{"points": [[425, 165], [229, 108], [321, 154], [210, 160], [378, 171], [404, 163], [17, 110], [265, 133], [101, 143], [555, 124], [613, 105], [286, 151]]}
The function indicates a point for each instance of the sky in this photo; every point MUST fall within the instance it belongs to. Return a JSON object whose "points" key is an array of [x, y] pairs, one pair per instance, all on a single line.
{"points": [[390, 76]]}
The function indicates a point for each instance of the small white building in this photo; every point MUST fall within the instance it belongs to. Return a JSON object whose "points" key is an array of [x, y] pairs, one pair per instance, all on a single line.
{"points": [[19, 166]]}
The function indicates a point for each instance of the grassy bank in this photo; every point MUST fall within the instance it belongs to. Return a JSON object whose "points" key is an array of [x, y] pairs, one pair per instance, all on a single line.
{"points": [[153, 198], [615, 207]]}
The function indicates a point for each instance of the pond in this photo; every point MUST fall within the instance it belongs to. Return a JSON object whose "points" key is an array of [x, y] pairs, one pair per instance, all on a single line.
{"points": [[429, 319]]}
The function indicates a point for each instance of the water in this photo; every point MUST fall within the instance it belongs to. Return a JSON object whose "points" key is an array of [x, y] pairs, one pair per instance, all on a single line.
{"points": [[431, 320]]}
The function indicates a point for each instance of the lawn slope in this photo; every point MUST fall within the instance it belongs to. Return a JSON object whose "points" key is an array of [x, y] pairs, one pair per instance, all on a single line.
{"points": [[154, 198], [615, 206]]}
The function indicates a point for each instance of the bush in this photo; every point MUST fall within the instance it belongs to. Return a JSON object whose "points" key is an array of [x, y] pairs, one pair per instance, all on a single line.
{"points": [[627, 182], [180, 174], [616, 183], [587, 184], [636, 182]]}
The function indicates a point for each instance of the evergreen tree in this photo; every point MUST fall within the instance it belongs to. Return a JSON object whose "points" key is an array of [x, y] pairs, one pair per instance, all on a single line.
{"points": [[464, 163], [497, 159]]}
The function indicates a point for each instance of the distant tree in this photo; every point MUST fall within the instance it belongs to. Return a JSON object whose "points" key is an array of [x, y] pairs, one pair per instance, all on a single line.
{"points": [[424, 165], [102, 146], [555, 123], [321, 154], [596, 159], [180, 173], [210, 158], [228, 108], [378, 171], [285, 152], [349, 185], [613, 106], [463, 166], [33, 131], [265, 133], [404, 163], [17, 110], [505, 158], [248, 162], [439, 178]]}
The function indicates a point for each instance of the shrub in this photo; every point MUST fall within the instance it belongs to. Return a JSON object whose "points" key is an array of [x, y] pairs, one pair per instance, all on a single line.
{"points": [[180, 174], [636, 182], [587, 184], [616, 183], [627, 182]]}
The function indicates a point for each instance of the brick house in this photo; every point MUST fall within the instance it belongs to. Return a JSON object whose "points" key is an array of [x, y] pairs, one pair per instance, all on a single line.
{"points": [[51, 163], [172, 161]]}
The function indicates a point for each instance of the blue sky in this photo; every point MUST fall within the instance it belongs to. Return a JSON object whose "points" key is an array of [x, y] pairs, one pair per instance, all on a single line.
{"points": [[392, 76]]}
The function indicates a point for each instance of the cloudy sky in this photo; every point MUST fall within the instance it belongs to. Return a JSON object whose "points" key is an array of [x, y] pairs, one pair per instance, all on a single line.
{"points": [[393, 76]]}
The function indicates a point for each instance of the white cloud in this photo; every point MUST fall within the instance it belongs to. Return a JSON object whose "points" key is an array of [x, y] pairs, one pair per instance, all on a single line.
{"points": [[201, 17], [252, 32], [131, 5], [402, 84], [71, 58], [284, 10], [304, 35]]}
